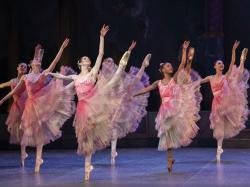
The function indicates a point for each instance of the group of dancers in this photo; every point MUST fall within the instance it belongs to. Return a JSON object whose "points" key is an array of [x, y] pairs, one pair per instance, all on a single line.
{"points": [[112, 102]]}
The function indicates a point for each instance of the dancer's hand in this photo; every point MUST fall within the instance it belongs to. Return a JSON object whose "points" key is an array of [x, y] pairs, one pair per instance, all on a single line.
{"points": [[1, 102], [236, 44], [65, 43], [104, 30], [47, 73], [132, 46], [185, 44]]}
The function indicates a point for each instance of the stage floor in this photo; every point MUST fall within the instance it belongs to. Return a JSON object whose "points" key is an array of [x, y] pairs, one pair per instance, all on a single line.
{"points": [[134, 167]]}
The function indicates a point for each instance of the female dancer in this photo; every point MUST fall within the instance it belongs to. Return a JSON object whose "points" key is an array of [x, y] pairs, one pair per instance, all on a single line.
{"points": [[228, 90], [41, 122], [92, 134], [14, 118], [176, 119], [129, 83]]}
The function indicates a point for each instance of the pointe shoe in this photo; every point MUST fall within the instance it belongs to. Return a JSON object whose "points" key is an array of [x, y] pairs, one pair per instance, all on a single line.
{"points": [[23, 157], [170, 165], [218, 155], [39, 162], [88, 169], [113, 155], [146, 60]]}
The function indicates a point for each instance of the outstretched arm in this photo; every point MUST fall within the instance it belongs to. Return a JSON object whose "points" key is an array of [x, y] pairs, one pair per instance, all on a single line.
{"points": [[98, 62], [205, 80], [243, 59], [122, 65], [147, 89], [60, 76], [183, 58], [5, 84], [235, 46], [15, 90], [58, 56]]}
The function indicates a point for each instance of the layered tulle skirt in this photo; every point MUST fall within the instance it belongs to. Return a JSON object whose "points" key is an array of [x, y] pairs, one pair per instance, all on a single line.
{"points": [[14, 119], [92, 123], [178, 115], [44, 114], [230, 109], [127, 111]]}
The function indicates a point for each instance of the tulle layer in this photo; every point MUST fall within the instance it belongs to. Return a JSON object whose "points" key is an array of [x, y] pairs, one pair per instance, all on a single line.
{"points": [[92, 124], [178, 115], [230, 109], [44, 114], [127, 111], [14, 119]]}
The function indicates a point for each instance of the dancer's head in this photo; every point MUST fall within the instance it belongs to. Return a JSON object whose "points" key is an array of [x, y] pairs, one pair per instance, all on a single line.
{"points": [[108, 65], [84, 63], [36, 63], [166, 68], [219, 65], [66, 70], [22, 68]]}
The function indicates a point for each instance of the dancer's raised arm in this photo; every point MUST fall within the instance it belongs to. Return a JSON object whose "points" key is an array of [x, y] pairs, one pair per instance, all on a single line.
{"points": [[243, 59], [183, 58], [14, 91], [235, 46], [98, 62], [58, 56], [5, 84], [147, 89]]}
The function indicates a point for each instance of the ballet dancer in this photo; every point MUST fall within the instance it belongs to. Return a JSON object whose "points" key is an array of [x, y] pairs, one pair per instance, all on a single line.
{"points": [[229, 107], [15, 113], [43, 113], [177, 117]]}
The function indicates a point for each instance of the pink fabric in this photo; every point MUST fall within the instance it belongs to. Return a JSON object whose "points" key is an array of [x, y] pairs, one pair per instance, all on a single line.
{"points": [[178, 113], [14, 118], [120, 99], [92, 126], [46, 109], [229, 108]]}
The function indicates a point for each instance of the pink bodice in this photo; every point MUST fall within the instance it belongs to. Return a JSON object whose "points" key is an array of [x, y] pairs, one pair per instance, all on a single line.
{"points": [[166, 91], [219, 87], [34, 83], [14, 83], [84, 89]]}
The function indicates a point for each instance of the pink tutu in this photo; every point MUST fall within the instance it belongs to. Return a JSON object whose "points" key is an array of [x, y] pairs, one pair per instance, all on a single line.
{"points": [[92, 124], [229, 108], [127, 111], [14, 118], [178, 114], [46, 109]]}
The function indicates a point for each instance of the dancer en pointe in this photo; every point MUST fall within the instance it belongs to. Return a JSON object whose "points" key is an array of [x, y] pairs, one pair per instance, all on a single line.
{"points": [[119, 86], [228, 90], [92, 133], [177, 117], [41, 122], [15, 113], [126, 122]]}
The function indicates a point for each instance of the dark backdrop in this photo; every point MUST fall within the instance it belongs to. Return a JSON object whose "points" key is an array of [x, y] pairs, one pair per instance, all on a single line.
{"points": [[159, 27]]}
